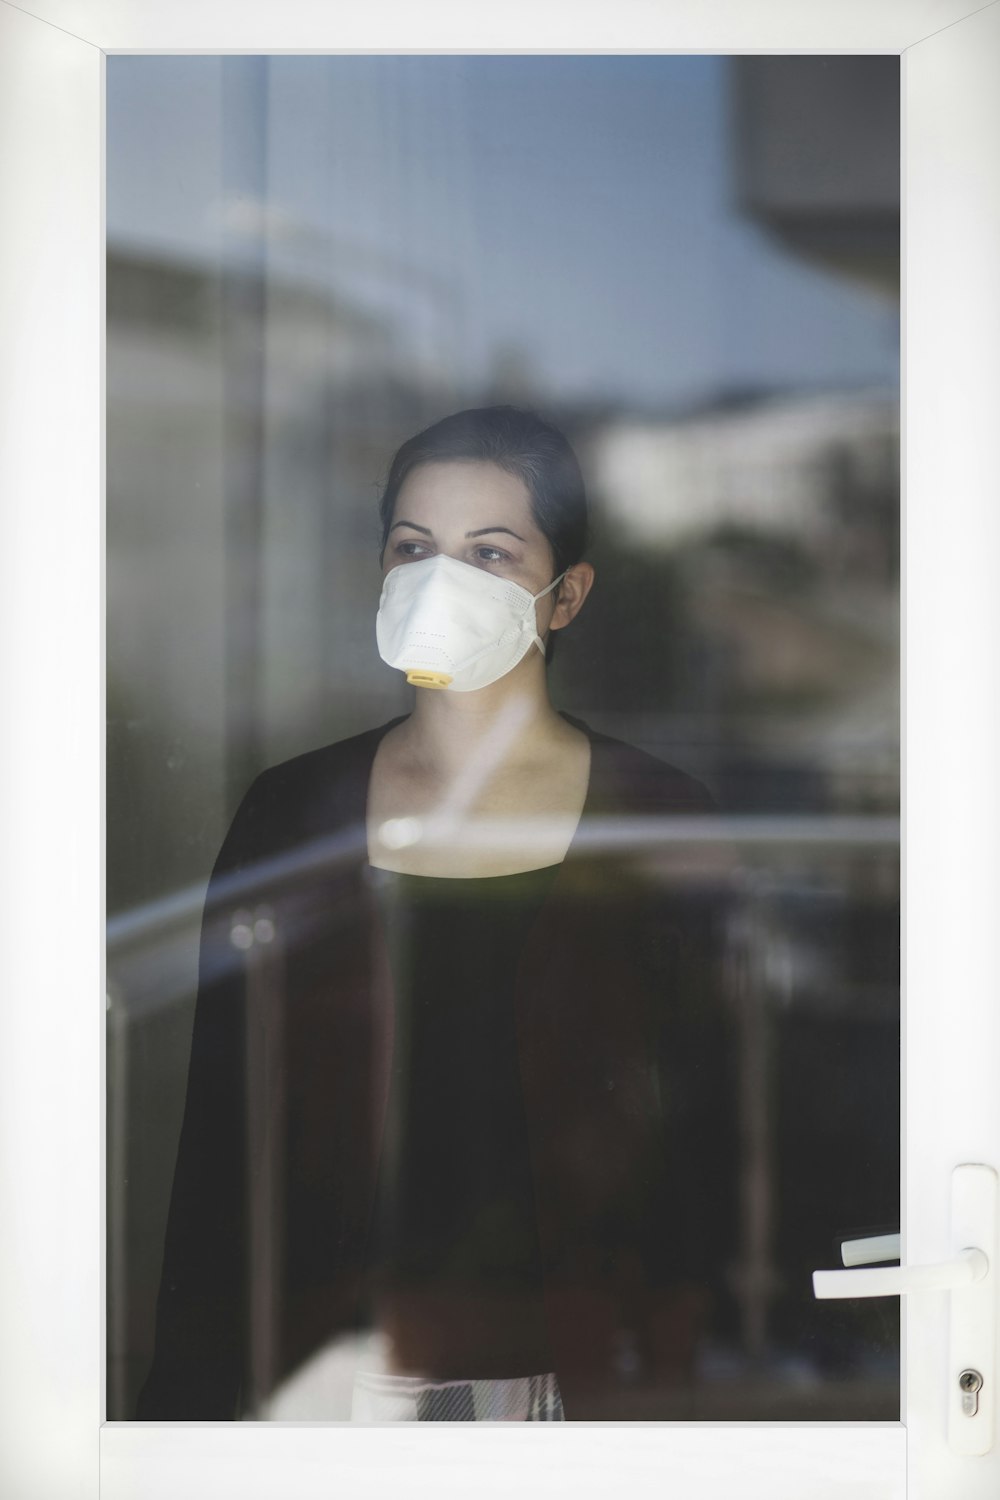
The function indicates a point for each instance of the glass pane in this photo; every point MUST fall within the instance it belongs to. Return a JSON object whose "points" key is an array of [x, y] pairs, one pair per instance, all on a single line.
{"points": [[511, 1043]]}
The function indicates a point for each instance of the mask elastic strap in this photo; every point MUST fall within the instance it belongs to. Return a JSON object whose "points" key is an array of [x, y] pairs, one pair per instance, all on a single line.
{"points": [[536, 638], [551, 586]]}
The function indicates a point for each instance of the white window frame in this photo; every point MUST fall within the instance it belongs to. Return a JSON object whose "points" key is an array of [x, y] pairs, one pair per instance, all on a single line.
{"points": [[53, 1437]]}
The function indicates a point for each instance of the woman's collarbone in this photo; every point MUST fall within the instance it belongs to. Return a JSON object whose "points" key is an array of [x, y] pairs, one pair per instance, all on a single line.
{"points": [[506, 829]]}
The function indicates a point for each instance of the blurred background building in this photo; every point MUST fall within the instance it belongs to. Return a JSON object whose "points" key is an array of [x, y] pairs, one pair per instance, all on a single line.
{"points": [[690, 264]]}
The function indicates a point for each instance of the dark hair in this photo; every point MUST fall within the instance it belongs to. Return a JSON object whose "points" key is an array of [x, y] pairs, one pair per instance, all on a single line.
{"points": [[522, 443]]}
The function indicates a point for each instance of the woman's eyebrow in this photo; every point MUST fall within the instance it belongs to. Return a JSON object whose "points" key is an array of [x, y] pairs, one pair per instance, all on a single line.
{"points": [[425, 529], [483, 530]]}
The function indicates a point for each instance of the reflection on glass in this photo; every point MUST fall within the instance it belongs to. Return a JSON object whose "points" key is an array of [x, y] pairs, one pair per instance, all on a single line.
{"points": [[593, 1183]]}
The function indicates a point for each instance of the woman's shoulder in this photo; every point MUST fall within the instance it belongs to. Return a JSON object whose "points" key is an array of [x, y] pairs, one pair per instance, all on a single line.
{"points": [[338, 759], [642, 781], [315, 792]]}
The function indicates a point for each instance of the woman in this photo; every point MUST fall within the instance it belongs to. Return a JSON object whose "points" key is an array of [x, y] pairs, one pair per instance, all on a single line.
{"points": [[438, 1013]]}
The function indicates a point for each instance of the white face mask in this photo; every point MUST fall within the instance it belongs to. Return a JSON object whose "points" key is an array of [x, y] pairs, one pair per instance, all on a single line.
{"points": [[448, 624]]}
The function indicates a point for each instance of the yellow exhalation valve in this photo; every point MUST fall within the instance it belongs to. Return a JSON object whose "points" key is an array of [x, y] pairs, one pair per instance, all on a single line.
{"points": [[422, 678]]}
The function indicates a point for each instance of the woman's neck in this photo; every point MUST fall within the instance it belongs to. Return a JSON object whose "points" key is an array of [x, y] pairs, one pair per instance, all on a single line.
{"points": [[451, 734]]}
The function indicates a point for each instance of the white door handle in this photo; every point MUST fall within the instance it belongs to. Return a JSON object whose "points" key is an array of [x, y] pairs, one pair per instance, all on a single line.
{"points": [[894, 1281], [876, 1247], [970, 1276]]}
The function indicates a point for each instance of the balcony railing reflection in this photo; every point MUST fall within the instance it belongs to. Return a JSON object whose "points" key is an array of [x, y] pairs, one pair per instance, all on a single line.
{"points": [[785, 882], [754, 832]]}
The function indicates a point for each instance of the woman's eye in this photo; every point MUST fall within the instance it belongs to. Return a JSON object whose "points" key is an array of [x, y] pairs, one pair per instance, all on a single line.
{"points": [[485, 553]]}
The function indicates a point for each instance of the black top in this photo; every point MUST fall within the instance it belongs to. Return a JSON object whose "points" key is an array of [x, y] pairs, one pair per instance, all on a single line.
{"points": [[622, 1048], [454, 1210]]}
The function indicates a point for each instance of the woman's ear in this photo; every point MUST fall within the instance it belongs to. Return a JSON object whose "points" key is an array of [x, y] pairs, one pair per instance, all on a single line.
{"points": [[571, 594]]}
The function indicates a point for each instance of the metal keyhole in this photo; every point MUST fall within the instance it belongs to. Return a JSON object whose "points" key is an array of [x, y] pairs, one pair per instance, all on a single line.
{"points": [[970, 1383]]}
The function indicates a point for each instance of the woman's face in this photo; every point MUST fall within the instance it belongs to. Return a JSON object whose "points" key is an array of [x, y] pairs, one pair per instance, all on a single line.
{"points": [[475, 512]]}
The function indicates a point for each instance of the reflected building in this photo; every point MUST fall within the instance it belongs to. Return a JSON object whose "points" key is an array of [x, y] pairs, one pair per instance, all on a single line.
{"points": [[816, 160], [248, 425], [763, 461]]}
